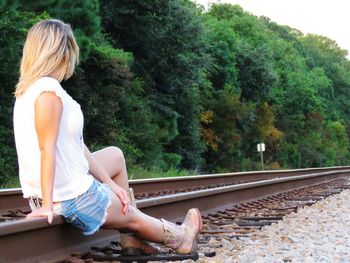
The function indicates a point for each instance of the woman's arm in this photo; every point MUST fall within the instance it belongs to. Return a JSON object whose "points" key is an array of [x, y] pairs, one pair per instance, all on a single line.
{"points": [[48, 110], [96, 169]]}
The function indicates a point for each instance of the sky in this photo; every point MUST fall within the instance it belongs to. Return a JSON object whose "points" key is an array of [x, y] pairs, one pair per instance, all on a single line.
{"points": [[330, 18]]}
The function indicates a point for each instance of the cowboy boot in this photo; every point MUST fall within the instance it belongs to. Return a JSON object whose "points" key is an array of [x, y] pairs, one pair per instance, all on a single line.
{"points": [[182, 238], [133, 246]]}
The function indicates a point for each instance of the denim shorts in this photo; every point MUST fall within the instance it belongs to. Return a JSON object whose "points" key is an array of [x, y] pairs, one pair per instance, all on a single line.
{"points": [[88, 211]]}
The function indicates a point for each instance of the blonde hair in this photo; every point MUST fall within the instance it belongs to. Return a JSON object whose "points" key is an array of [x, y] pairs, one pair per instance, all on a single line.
{"points": [[50, 47]]}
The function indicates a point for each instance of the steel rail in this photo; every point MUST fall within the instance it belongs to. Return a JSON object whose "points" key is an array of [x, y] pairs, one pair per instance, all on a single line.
{"points": [[210, 200], [35, 240], [12, 198], [161, 184]]}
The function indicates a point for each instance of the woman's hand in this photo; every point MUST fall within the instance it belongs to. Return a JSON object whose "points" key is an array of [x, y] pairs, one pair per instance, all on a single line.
{"points": [[123, 196], [98, 171], [42, 212]]}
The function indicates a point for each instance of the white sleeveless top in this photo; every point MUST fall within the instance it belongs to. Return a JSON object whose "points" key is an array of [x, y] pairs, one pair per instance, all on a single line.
{"points": [[71, 177]]}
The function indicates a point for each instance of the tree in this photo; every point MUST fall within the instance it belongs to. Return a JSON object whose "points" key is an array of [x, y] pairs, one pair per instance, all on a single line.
{"points": [[222, 48], [255, 73], [83, 15], [166, 40]]}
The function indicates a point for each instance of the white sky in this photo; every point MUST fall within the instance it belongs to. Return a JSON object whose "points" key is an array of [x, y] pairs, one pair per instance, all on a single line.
{"points": [[330, 18]]}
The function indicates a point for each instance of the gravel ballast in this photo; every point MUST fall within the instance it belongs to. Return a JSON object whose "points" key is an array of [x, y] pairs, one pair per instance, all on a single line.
{"points": [[317, 233]]}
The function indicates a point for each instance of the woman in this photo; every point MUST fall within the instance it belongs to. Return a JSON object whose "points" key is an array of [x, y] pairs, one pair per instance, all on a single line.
{"points": [[55, 166]]}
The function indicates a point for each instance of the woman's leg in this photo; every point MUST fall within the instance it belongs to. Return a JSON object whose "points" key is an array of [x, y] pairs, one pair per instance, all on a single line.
{"points": [[112, 159], [180, 238], [144, 226]]}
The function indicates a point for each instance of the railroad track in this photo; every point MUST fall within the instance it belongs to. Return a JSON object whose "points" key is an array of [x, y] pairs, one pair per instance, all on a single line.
{"points": [[146, 188], [224, 195]]}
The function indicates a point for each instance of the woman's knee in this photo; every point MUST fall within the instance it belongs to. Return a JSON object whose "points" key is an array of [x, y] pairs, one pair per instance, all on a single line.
{"points": [[117, 153]]}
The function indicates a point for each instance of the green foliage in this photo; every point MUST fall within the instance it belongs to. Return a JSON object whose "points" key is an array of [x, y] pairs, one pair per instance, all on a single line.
{"points": [[220, 131], [245, 25], [138, 172], [324, 53], [336, 144], [226, 11], [222, 47], [282, 32], [8, 5], [255, 73], [83, 15], [166, 40]]}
